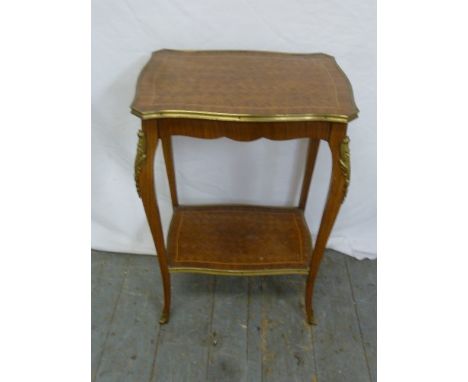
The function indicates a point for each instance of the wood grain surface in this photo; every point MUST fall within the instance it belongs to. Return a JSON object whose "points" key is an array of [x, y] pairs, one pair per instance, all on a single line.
{"points": [[239, 238], [244, 83], [243, 131], [242, 329]]}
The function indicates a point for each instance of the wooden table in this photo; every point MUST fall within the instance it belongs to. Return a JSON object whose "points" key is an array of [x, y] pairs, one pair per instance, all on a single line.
{"points": [[242, 96]]}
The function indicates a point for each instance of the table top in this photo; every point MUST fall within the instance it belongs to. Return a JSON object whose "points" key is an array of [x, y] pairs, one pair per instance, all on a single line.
{"points": [[244, 86]]}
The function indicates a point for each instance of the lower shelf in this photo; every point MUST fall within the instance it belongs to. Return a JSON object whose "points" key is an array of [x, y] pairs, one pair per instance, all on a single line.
{"points": [[239, 240]]}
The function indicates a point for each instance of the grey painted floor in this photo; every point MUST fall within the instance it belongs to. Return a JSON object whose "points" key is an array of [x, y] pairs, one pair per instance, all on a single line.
{"points": [[232, 328]]}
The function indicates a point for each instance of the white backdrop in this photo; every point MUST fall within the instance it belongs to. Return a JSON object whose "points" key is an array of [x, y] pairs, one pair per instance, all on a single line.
{"points": [[124, 33]]}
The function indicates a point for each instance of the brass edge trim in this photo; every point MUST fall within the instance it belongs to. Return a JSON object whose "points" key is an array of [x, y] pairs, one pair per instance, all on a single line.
{"points": [[243, 117], [140, 158], [345, 163], [225, 272]]}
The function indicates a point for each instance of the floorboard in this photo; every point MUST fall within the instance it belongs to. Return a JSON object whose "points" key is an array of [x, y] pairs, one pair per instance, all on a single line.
{"points": [[228, 349], [339, 352], [185, 340], [363, 277], [286, 338], [254, 322], [131, 345], [108, 275], [232, 328]]}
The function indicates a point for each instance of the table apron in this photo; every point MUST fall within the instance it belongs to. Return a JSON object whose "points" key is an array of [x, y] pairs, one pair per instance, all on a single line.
{"points": [[244, 131]]}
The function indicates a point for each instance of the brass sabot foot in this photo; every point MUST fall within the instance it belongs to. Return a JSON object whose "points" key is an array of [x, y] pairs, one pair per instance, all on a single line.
{"points": [[164, 318], [311, 320]]}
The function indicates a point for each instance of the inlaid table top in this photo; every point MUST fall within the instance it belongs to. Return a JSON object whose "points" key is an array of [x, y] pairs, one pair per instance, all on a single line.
{"points": [[244, 86]]}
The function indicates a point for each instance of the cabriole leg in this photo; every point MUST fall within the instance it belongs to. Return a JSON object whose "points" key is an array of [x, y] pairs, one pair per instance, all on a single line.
{"points": [[144, 178], [340, 176]]}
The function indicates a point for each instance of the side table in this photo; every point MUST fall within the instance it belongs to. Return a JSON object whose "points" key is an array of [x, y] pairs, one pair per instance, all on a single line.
{"points": [[242, 95]]}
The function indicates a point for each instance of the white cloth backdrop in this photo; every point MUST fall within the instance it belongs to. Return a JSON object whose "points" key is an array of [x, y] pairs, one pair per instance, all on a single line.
{"points": [[124, 33]]}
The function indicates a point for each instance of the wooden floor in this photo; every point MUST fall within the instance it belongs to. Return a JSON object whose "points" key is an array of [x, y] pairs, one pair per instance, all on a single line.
{"points": [[232, 328]]}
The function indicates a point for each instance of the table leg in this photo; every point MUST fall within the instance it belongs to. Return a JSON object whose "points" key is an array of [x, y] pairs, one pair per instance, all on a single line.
{"points": [[169, 160], [308, 171], [144, 178], [338, 143]]}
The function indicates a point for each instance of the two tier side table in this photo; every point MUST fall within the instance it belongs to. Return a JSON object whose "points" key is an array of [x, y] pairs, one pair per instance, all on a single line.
{"points": [[241, 95]]}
